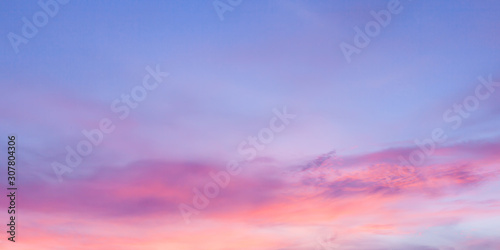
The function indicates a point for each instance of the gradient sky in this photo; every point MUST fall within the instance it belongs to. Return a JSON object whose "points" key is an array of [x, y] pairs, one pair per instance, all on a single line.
{"points": [[226, 77]]}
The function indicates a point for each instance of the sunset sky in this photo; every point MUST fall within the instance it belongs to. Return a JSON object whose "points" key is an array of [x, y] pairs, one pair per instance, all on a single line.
{"points": [[394, 147]]}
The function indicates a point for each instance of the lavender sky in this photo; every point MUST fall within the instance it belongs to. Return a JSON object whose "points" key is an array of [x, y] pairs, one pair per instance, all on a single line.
{"points": [[330, 178]]}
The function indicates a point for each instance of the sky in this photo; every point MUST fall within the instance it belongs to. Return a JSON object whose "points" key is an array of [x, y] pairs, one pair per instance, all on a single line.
{"points": [[236, 124]]}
